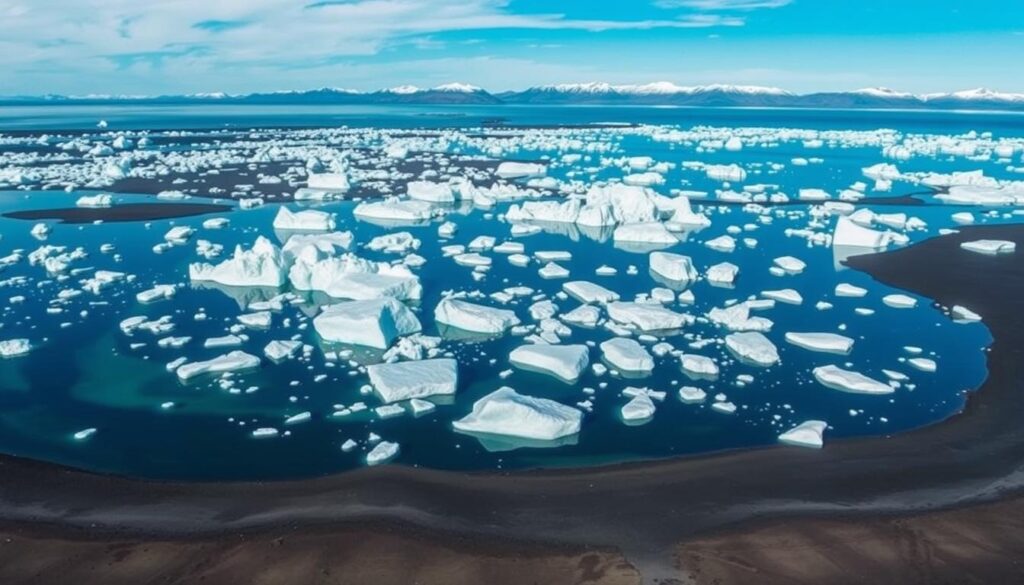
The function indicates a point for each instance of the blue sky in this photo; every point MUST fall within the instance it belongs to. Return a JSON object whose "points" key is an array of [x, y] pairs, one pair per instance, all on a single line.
{"points": [[183, 46]]}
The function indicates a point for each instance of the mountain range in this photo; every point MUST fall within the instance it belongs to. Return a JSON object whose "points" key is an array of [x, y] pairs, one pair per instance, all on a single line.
{"points": [[651, 94]]}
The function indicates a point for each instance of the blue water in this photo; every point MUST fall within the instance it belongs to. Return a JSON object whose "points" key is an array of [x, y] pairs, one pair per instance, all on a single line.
{"points": [[85, 375]]}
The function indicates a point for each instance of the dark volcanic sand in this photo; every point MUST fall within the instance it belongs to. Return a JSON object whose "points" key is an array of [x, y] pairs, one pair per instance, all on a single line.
{"points": [[122, 212], [646, 510]]}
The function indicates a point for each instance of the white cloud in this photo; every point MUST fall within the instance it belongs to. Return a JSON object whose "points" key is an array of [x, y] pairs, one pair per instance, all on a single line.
{"points": [[93, 37]]}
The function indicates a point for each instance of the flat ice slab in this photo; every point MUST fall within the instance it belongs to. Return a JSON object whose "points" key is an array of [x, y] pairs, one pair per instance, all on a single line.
{"points": [[372, 323], [826, 342], [382, 453], [849, 381], [627, 355], [229, 362], [752, 347], [506, 412], [990, 247], [408, 380], [673, 267], [646, 317], [305, 220], [564, 361], [806, 434], [588, 292], [472, 317]]}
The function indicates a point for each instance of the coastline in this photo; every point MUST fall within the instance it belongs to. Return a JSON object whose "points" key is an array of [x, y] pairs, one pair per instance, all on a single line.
{"points": [[642, 509]]}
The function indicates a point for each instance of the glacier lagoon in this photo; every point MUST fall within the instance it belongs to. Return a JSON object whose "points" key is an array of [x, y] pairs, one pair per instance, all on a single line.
{"points": [[87, 374]]}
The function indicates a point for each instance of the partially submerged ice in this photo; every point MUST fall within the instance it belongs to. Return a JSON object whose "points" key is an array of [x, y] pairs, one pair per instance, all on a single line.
{"points": [[506, 412]]}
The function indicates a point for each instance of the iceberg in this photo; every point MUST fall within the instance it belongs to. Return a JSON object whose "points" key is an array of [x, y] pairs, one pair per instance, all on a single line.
{"points": [[506, 412], [646, 317], [566, 362], [432, 192], [382, 453], [824, 342], [395, 210], [399, 381], [229, 362], [990, 247], [518, 170], [10, 348], [698, 365], [589, 292], [278, 351], [752, 347], [305, 220], [645, 233], [100, 200], [331, 182], [639, 408], [849, 234], [627, 355], [371, 323], [262, 265], [674, 267], [849, 381], [473, 317], [806, 434]]}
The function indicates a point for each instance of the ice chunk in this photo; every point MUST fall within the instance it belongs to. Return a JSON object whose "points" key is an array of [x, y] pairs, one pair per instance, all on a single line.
{"points": [[849, 381], [826, 342], [158, 292], [691, 394], [645, 233], [991, 247], [786, 295], [723, 274], [229, 362], [627, 355], [564, 361], [674, 267], [262, 265], [698, 365], [923, 364], [372, 323], [407, 380], [10, 348], [647, 317], [100, 200], [726, 173], [588, 292], [849, 290], [806, 434], [962, 313], [395, 210], [429, 191], [506, 412], [472, 317], [640, 408], [898, 301], [332, 182], [849, 234], [516, 170], [305, 220], [752, 347], [281, 350], [382, 453]]}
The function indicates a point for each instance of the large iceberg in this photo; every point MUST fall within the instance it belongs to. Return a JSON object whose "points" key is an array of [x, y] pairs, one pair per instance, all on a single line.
{"points": [[506, 412], [407, 380], [674, 267], [849, 381], [627, 355], [371, 323], [305, 220]]}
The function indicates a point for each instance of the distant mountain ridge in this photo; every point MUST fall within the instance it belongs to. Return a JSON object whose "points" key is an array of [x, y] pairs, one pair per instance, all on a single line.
{"points": [[660, 93]]}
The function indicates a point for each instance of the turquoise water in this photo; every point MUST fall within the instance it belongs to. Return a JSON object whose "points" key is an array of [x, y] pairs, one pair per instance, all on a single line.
{"points": [[86, 375]]}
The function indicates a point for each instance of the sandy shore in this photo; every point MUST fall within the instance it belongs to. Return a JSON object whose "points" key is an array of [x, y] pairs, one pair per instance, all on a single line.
{"points": [[657, 514]]}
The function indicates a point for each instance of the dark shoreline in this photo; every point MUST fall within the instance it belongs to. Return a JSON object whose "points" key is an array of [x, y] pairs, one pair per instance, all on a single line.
{"points": [[643, 509], [119, 213]]}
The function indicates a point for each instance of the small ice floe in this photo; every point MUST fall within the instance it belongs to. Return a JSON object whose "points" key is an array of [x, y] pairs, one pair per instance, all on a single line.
{"points": [[628, 356], [262, 265], [395, 382], [11, 348], [518, 170], [265, 433], [646, 316], [698, 365], [724, 407], [806, 434], [898, 301], [752, 347], [474, 318], [329, 182], [675, 268], [588, 292], [566, 362], [639, 408], [837, 378], [372, 323], [692, 394], [157, 293], [179, 234], [923, 364], [962, 314], [299, 418], [40, 231], [552, 270], [722, 244], [849, 234], [723, 274], [99, 200], [420, 407], [790, 264], [824, 342], [382, 452], [281, 350], [506, 412], [257, 320], [84, 434], [430, 191], [789, 296], [230, 362], [990, 247], [305, 220], [848, 290]]}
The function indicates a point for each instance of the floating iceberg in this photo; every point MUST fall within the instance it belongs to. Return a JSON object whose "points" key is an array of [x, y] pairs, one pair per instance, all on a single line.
{"points": [[806, 434], [627, 355], [752, 347], [229, 362], [647, 317], [506, 412], [371, 323], [564, 361], [475, 318], [407, 380], [849, 381], [262, 265], [825, 342], [305, 220], [673, 267], [10, 348]]}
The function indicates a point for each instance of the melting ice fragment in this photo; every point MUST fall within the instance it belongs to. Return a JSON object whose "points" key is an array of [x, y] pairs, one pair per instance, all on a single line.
{"points": [[506, 412], [399, 381]]}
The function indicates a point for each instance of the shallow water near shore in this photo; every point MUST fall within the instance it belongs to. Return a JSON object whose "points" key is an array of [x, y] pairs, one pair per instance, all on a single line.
{"points": [[87, 375]]}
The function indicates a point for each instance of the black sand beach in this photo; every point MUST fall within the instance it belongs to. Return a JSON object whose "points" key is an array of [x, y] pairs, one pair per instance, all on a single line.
{"points": [[929, 493], [118, 213]]}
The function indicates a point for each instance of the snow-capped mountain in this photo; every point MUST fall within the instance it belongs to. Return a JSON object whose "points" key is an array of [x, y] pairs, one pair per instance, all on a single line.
{"points": [[660, 93]]}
